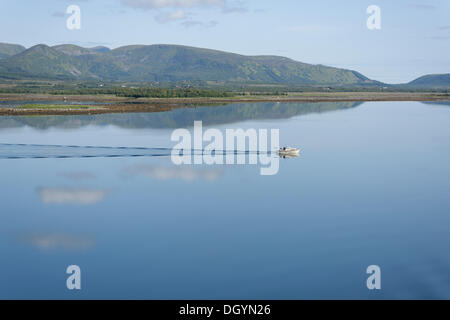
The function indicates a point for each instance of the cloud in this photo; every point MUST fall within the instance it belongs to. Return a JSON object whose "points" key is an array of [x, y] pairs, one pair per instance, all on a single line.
{"points": [[307, 28], [77, 175], [71, 196], [168, 17], [158, 4], [438, 37], [173, 173], [225, 6], [191, 23], [49, 241], [300, 29], [424, 6], [58, 14], [194, 23], [237, 7]]}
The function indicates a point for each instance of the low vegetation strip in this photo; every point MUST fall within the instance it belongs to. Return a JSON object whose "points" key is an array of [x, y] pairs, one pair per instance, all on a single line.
{"points": [[54, 107], [113, 104]]}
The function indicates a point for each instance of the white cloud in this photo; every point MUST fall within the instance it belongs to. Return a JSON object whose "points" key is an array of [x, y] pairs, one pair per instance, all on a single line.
{"points": [[308, 28], [173, 173], [194, 23], [424, 6], [167, 17], [165, 6], [77, 175], [225, 5], [57, 241], [71, 196], [58, 14], [236, 7], [158, 4]]}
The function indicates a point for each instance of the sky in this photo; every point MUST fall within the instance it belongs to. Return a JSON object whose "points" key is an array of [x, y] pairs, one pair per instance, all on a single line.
{"points": [[414, 38]]}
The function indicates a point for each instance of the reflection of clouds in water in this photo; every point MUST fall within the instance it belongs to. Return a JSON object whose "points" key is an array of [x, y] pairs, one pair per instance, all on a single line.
{"points": [[168, 173], [64, 241], [71, 196], [77, 175]]}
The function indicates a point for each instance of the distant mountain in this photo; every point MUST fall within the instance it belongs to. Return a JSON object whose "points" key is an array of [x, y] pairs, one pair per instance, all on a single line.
{"points": [[432, 80], [168, 63], [43, 62], [100, 49], [73, 50], [60, 62], [8, 50]]}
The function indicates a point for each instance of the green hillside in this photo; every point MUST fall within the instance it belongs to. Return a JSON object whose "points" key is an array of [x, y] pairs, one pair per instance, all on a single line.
{"points": [[168, 63], [41, 61], [432, 80], [8, 50], [73, 50]]}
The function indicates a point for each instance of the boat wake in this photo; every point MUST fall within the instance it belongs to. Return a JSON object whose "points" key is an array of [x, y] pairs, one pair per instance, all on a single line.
{"points": [[38, 151]]}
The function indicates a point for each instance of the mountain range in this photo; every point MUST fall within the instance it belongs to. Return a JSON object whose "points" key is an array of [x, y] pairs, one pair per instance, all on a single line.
{"points": [[432, 81], [7, 50], [170, 63]]}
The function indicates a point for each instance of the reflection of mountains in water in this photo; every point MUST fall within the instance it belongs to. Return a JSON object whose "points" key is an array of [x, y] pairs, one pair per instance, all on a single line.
{"points": [[438, 103], [180, 118]]}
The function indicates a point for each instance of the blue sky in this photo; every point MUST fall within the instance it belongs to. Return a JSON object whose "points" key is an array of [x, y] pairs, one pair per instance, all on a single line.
{"points": [[414, 38]]}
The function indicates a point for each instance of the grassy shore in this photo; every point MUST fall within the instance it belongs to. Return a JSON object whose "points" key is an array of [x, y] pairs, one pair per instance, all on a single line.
{"points": [[54, 107], [114, 104]]}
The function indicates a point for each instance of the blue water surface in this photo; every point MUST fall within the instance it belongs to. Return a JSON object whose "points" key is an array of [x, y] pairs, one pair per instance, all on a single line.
{"points": [[371, 187]]}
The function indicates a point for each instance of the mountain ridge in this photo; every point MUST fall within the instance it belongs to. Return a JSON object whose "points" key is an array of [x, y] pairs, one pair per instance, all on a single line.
{"points": [[8, 49], [432, 80], [174, 63], [164, 62]]}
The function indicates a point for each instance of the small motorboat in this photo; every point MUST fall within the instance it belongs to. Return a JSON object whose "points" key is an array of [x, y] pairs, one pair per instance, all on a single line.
{"points": [[288, 152]]}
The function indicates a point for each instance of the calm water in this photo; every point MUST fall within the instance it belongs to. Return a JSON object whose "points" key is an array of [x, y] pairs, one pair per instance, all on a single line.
{"points": [[16, 103], [371, 187]]}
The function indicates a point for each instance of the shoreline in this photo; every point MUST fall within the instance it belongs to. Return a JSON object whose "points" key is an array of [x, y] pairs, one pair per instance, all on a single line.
{"points": [[115, 104]]}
